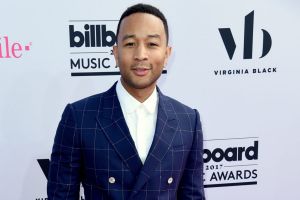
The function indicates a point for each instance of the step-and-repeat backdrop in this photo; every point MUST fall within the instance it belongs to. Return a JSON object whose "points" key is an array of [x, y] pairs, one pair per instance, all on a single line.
{"points": [[236, 61]]}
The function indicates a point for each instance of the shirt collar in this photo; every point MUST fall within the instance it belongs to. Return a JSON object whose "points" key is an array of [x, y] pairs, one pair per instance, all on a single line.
{"points": [[129, 104]]}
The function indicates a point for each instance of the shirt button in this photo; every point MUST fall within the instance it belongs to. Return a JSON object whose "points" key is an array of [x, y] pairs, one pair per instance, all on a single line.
{"points": [[170, 180], [112, 180]]}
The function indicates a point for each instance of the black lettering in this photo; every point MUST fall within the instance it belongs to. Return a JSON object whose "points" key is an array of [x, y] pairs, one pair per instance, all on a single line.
{"points": [[75, 34], [103, 63], [254, 173], [240, 153], [87, 35], [248, 35], [215, 157], [77, 64], [247, 174], [106, 35], [231, 176], [208, 155], [239, 174], [213, 177], [232, 151], [222, 175], [252, 150], [93, 63], [98, 35], [92, 35], [87, 63]]}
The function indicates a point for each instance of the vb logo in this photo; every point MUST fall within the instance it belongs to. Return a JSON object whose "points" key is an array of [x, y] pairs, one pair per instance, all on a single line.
{"points": [[230, 45]]}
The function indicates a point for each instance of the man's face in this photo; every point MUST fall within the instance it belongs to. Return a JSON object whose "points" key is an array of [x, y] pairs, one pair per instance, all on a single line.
{"points": [[142, 50]]}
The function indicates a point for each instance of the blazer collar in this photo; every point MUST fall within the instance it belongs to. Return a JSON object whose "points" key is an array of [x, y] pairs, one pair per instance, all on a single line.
{"points": [[112, 123]]}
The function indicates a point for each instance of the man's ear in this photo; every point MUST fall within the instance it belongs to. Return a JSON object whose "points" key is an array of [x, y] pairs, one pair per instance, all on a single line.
{"points": [[167, 54]]}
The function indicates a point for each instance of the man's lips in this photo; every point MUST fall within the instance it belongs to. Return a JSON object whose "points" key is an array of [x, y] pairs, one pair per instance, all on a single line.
{"points": [[140, 71]]}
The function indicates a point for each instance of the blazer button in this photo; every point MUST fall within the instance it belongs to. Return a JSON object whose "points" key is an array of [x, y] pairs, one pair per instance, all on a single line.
{"points": [[112, 180], [170, 180]]}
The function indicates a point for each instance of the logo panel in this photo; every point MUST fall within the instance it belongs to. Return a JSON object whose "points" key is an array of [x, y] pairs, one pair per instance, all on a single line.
{"points": [[90, 43], [230, 45], [231, 162], [229, 41]]}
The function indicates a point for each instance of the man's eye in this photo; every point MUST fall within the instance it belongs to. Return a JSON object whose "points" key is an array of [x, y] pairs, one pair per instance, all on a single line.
{"points": [[152, 44], [129, 44]]}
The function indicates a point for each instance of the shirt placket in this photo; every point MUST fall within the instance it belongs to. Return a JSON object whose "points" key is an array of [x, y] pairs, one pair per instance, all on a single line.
{"points": [[139, 133]]}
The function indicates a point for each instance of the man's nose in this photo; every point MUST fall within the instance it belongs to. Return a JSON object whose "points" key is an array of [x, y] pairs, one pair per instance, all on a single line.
{"points": [[141, 53]]}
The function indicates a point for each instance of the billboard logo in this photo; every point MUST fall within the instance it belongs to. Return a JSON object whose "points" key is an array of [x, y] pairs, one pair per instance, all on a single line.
{"points": [[230, 44], [231, 153], [228, 164], [93, 36], [90, 46]]}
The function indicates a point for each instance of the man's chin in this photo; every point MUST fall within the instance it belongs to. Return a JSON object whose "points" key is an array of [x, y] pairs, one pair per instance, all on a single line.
{"points": [[142, 85]]}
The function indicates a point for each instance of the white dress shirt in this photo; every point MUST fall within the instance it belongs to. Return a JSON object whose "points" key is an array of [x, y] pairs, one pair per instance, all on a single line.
{"points": [[140, 118]]}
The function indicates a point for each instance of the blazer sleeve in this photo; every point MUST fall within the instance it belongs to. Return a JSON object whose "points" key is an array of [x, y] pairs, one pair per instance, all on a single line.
{"points": [[64, 170], [191, 183]]}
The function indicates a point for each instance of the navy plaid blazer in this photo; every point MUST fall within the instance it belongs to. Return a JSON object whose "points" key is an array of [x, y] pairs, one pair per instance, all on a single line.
{"points": [[93, 147]]}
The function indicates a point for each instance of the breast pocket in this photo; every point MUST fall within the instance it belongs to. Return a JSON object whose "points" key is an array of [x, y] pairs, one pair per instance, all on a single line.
{"points": [[176, 157], [180, 147]]}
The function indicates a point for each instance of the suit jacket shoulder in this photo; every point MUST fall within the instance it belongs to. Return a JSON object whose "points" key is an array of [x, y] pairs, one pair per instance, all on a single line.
{"points": [[181, 110], [179, 106]]}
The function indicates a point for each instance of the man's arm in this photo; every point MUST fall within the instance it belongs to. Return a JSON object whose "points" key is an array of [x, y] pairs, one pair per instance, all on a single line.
{"points": [[64, 170], [191, 184]]}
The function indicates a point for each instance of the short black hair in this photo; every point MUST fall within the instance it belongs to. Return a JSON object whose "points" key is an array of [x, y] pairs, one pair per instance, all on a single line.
{"points": [[144, 8]]}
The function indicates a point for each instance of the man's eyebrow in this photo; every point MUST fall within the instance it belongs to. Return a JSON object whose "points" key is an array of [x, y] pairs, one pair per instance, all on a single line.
{"points": [[154, 36], [127, 37], [133, 36]]}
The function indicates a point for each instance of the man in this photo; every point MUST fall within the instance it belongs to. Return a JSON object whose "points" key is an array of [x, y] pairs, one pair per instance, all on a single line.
{"points": [[130, 142]]}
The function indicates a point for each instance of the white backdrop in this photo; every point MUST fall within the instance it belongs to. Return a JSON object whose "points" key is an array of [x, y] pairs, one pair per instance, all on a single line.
{"points": [[254, 116]]}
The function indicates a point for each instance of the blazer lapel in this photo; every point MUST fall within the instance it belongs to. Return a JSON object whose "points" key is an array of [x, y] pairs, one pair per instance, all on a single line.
{"points": [[166, 127], [112, 123]]}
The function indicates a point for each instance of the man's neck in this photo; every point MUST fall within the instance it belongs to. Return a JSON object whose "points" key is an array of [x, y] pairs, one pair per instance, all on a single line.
{"points": [[139, 94]]}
